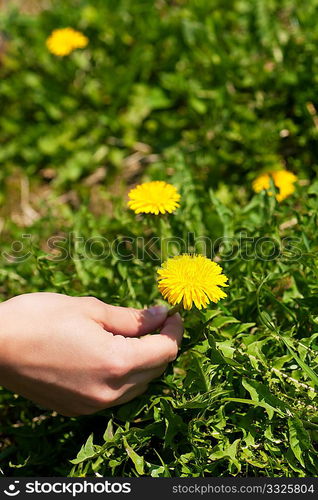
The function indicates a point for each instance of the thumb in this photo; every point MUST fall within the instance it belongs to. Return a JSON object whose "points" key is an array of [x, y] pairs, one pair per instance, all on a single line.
{"points": [[128, 321]]}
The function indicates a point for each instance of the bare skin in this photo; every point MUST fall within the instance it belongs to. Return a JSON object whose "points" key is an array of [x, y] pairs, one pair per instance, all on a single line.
{"points": [[78, 355]]}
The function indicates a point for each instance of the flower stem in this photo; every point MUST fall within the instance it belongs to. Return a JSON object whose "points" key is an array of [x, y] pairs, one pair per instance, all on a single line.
{"points": [[165, 235], [174, 309], [160, 229]]}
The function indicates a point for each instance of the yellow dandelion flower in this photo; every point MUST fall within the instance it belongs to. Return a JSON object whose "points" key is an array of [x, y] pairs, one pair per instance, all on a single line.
{"points": [[283, 180], [156, 197], [63, 41], [191, 279], [261, 183]]}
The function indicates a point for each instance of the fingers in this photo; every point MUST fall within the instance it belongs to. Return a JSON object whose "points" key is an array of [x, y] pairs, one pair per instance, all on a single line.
{"points": [[154, 351], [126, 321]]}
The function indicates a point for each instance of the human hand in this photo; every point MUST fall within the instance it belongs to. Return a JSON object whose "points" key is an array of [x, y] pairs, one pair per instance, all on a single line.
{"points": [[78, 355]]}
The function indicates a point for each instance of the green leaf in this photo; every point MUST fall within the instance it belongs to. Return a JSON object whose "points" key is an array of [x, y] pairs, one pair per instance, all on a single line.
{"points": [[202, 378], [174, 423], [309, 371], [109, 432], [87, 451], [223, 320], [270, 410], [230, 452], [138, 461], [299, 439], [261, 394]]}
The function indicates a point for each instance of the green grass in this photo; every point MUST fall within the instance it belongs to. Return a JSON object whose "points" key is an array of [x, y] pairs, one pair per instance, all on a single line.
{"points": [[203, 95]]}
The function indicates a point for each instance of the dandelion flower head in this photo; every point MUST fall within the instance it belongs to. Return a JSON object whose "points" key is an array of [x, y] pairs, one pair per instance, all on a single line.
{"points": [[63, 41], [191, 279], [156, 197], [283, 180]]}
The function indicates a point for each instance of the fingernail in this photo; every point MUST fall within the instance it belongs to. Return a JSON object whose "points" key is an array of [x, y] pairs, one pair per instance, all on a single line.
{"points": [[158, 310]]}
